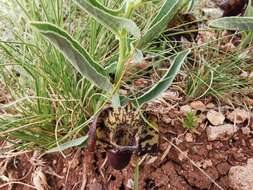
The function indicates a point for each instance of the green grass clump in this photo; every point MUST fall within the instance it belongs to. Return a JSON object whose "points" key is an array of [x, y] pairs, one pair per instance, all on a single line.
{"points": [[51, 102], [216, 72], [190, 121]]}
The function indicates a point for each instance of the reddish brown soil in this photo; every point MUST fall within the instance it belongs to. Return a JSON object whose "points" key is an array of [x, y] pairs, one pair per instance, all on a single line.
{"points": [[174, 172]]}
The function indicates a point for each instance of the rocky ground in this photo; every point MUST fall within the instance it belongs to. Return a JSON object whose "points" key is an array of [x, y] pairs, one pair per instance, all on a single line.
{"points": [[217, 154]]}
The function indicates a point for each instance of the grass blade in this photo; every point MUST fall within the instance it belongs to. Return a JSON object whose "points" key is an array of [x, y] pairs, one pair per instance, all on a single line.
{"points": [[73, 143]]}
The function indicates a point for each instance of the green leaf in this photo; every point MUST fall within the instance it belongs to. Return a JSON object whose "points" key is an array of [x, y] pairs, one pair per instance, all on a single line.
{"points": [[113, 23], [166, 80], [77, 56], [73, 143], [249, 9], [166, 13], [233, 23], [102, 7]]}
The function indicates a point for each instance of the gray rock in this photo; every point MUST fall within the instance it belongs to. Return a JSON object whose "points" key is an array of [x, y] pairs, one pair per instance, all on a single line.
{"points": [[220, 132], [241, 177]]}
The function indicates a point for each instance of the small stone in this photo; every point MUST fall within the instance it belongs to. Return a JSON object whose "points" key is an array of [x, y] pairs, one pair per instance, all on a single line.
{"points": [[188, 137], [95, 186], [240, 177], [183, 156], [209, 147], [166, 119], [245, 130], [220, 132], [251, 75], [130, 184], [210, 105], [238, 116], [215, 118], [251, 142], [185, 109], [244, 74], [64, 170], [198, 105], [207, 163]]}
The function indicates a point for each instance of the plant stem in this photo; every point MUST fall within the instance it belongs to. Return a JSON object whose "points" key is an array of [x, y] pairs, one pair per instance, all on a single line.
{"points": [[123, 55]]}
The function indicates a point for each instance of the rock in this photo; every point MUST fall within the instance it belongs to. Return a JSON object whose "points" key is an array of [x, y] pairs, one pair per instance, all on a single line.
{"points": [[215, 118], [188, 137], [198, 105], [130, 184], [244, 74], [245, 130], [238, 116], [95, 186], [240, 177], [183, 156], [220, 132], [166, 119], [212, 12], [251, 75], [185, 109], [207, 163], [210, 105]]}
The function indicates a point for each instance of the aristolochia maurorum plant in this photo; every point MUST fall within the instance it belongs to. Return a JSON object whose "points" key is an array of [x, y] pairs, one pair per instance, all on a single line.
{"points": [[119, 129]]}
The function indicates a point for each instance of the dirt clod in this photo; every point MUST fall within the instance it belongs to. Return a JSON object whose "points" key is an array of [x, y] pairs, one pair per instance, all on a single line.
{"points": [[240, 177], [222, 132]]}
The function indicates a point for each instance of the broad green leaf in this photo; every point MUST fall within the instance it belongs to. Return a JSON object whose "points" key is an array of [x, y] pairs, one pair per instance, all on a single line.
{"points": [[247, 37], [113, 23], [73, 143], [77, 56], [104, 8], [166, 13], [166, 80], [233, 23]]}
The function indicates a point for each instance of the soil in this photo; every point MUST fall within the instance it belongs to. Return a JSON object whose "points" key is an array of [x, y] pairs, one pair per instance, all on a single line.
{"points": [[181, 164]]}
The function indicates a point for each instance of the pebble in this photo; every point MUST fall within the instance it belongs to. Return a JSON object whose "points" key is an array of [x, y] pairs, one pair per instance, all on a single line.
{"points": [[210, 105], [215, 118], [240, 177], [188, 137], [198, 105], [246, 130], [185, 109], [130, 184], [95, 186], [220, 132], [238, 116]]}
